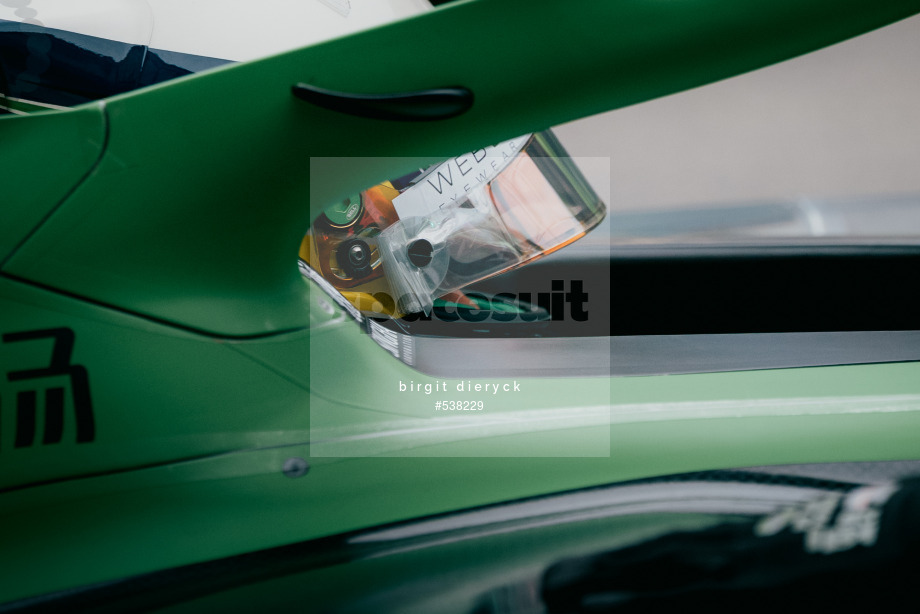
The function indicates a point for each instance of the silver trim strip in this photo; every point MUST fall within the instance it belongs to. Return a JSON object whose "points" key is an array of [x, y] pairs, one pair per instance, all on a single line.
{"points": [[34, 103], [672, 497], [657, 354]]}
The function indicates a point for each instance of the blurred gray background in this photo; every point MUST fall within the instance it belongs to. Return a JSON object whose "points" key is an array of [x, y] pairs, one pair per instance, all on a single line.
{"points": [[838, 123]]}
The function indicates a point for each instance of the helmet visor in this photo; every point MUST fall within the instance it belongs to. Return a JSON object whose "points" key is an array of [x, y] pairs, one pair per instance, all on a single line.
{"points": [[394, 248]]}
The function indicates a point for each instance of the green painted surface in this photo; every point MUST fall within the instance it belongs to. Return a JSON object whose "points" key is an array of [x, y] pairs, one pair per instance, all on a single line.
{"points": [[158, 394], [209, 364], [133, 526], [42, 158], [203, 192], [234, 502]]}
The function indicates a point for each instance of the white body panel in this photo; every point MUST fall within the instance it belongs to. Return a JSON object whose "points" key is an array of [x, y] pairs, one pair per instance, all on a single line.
{"points": [[227, 29]]}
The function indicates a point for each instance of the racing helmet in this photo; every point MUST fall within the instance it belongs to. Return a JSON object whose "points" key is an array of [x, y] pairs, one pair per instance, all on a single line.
{"points": [[395, 247]]}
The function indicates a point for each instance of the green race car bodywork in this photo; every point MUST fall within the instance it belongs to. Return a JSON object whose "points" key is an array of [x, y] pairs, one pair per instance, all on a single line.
{"points": [[147, 250]]}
